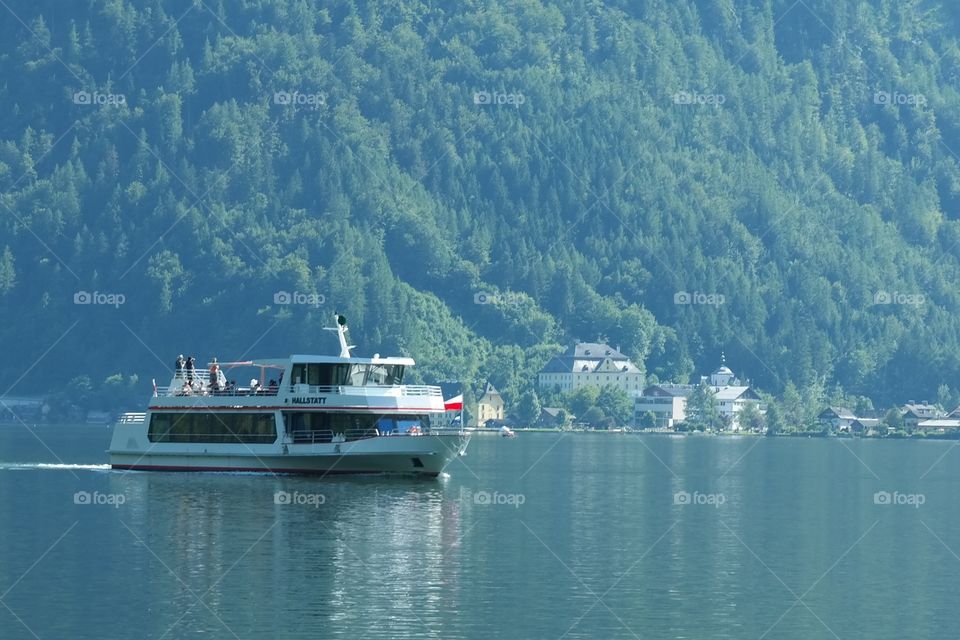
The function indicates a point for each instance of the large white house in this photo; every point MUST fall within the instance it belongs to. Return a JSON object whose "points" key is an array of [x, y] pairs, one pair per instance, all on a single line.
{"points": [[591, 364], [668, 402]]}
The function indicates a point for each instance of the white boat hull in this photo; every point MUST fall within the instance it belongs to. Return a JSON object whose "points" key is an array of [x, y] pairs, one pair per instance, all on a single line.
{"points": [[425, 455]]}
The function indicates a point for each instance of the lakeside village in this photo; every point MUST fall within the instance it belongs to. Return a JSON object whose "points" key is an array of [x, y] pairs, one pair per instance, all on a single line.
{"points": [[594, 387], [719, 404]]}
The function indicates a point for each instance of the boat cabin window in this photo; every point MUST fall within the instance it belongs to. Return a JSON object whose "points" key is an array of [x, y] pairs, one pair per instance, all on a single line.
{"points": [[387, 425], [357, 375], [358, 372], [376, 374], [382, 374], [321, 375], [229, 428], [322, 426]]}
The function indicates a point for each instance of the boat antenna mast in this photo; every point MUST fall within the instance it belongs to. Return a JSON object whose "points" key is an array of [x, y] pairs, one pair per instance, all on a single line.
{"points": [[341, 330]]}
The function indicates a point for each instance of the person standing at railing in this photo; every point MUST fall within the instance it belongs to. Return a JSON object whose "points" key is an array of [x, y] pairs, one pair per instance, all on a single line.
{"points": [[190, 368], [214, 375], [181, 363]]}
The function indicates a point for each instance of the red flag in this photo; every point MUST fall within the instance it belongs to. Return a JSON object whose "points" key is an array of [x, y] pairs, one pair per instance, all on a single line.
{"points": [[453, 404]]}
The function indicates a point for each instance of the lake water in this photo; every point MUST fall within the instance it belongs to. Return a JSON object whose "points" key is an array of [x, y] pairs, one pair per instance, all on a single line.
{"points": [[544, 536]]}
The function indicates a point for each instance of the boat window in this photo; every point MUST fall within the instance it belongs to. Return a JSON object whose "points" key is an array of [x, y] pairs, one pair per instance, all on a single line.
{"points": [[321, 426], [341, 422], [293, 421], [299, 373], [324, 375], [377, 375], [230, 428], [384, 374], [402, 424], [305, 421], [339, 374], [333, 374], [358, 373], [306, 426]]}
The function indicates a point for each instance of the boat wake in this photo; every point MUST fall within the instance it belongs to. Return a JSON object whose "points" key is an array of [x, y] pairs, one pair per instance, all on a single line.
{"points": [[45, 466]]}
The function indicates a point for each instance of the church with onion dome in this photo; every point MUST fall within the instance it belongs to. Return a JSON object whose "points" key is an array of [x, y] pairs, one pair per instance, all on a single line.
{"points": [[668, 402], [732, 395], [723, 376]]}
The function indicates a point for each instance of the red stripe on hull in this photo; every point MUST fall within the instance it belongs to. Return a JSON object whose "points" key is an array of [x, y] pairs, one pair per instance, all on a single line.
{"points": [[318, 472], [320, 407]]}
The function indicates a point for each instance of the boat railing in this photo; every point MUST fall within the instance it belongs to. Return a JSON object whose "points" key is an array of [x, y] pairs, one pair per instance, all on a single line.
{"points": [[407, 390], [325, 436], [207, 392], [367, 390]]}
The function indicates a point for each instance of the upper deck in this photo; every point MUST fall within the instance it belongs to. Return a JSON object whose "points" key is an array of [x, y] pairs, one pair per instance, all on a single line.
{"points": [[301, 381], [331, 397]]}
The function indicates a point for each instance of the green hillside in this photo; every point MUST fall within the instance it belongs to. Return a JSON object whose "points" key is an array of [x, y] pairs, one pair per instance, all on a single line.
{"points": [[792, 167]]}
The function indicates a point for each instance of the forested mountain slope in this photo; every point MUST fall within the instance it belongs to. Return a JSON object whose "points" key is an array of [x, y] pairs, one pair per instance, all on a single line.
{"points": [[793, 167]]}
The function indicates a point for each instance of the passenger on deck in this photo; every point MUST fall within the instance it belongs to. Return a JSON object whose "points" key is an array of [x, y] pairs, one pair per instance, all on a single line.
{"points": [[254, 386], [232, 387], [273, 388], [214, 376], [187, 390], [181, 362], [190, 367]]}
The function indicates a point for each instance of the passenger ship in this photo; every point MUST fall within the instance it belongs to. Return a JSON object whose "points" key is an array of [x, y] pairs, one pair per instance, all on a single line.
{"points": [[302, 414]]}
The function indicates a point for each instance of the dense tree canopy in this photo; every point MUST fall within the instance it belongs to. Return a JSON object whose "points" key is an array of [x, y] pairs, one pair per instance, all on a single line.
{"points": [[478, 186]]}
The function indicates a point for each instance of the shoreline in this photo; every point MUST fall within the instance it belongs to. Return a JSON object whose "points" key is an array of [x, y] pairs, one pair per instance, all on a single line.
{"points": [[482, 431], [722, 434]]}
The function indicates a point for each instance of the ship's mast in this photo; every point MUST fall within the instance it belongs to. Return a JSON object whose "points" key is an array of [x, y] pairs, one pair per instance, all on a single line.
{"points": [[341, 330]]}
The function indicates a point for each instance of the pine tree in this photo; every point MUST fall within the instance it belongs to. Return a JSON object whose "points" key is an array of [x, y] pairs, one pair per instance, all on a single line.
{"points": [[8, 273]]}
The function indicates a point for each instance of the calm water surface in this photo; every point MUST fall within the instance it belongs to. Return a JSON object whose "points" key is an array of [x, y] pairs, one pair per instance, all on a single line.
{"points": [[545, 536]]}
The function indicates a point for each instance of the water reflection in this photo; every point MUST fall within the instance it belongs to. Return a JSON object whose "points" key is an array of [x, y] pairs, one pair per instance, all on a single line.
{"points": [[343, 552]]}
